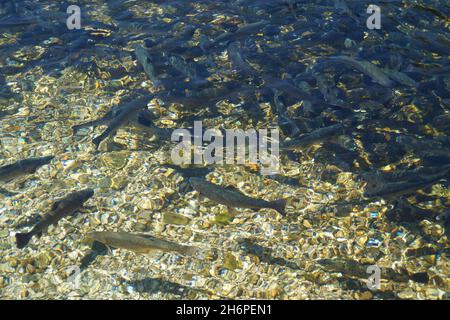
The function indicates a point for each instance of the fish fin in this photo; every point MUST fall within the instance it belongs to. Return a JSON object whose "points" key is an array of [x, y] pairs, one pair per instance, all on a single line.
{"points": [[421, 277], [22, 239], [280, 206], [232, 188], [146, 236], [232, 211], [96, 141], [39, 235], [109, 249]]}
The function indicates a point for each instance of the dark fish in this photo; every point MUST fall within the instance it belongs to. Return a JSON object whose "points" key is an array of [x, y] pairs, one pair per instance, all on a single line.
{"points": [[173, 43], [243, 31], [147, 125], [206, 97], [190, 69], [140, 243], [128, 113], [286, 87], [313, 137], [60, 209], [376, 73], [328, 89], [145, 60], [190, 172], [238, 62], [446, 219], [266, 255], [155, 286], [353, 268], [400, 77], [376, 188], [22, 167], [233, 198], [288, 125], [97, 249]]}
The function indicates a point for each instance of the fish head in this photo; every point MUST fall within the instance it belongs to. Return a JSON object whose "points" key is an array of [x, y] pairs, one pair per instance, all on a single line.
{"points": [[91, 237], [86, 194], [372, 187], [47, 159], [194, 182], [31, 165]]}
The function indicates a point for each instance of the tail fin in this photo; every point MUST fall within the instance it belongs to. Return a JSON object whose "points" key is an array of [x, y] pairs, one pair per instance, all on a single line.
{"points": [[421, 277], [280, 206], [22, 239]]}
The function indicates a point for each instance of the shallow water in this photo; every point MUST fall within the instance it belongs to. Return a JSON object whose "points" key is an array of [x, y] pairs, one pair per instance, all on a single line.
{"points": [[54, 78]]}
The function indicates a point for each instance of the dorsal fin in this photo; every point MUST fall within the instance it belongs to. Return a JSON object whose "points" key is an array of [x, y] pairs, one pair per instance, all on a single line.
{"points": [[232, 188]]}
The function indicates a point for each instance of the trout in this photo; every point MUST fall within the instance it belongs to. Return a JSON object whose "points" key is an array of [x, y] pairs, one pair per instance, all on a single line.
{"points": [[22, 167], [139, 243], [233, 198], [60, 209]]}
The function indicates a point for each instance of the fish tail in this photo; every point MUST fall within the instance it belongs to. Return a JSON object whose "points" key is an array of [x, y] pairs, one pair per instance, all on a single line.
{"points": [[280, 206], [421, 277], [22, 239], [97, 140]]}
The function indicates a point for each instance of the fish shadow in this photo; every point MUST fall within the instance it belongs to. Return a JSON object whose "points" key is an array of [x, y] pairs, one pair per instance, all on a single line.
{"points": [[97, 249], [155, 285], [265, 254]]}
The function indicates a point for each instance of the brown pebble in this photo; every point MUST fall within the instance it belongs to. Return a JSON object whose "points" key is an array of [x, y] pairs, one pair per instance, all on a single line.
{"points": [[13, 262], [24, 293], [30, 269], [366, 295]]}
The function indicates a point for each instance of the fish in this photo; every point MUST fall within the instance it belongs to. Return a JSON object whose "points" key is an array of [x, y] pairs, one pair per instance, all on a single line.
{"points": [[353, 268], [446, 219], [140, 243], [60, 209], [196, 74], [377, 188], [233, 198], [285, 86], [241, 32], [175, 42], [145, 60], [313, 137], [288, 125], [146, 124], [328, 89], [238, 62], [343, 8], [22, 167], [377, 74], [206, 97], [128, 112], [190, 171], [400, 77], [266, 255]]}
